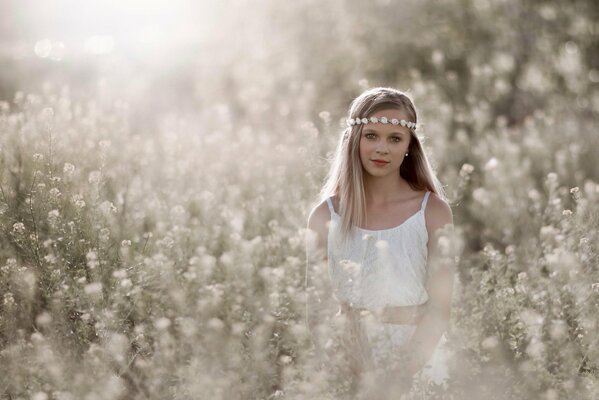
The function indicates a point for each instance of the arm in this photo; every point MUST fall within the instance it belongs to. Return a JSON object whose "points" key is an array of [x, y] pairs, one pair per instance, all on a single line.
{"points": [[442, 251], [316, 280]]}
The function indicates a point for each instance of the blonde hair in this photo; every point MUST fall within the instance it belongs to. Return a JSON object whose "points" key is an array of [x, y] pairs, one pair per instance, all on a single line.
{"points": [[345, 174]]}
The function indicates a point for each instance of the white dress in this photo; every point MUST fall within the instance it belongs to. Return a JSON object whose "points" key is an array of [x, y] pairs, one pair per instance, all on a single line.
{"points": [[385, 267]]}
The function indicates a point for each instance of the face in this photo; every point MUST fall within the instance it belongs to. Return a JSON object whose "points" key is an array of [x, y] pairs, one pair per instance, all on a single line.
{"points": [[386, 142]]}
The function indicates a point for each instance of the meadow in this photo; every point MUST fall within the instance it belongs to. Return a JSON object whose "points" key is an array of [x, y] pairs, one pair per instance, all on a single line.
{"points": [[153, 246]]}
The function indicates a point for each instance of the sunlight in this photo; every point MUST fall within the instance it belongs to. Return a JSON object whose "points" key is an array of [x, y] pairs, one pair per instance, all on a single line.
{"points": [[68, 28]]}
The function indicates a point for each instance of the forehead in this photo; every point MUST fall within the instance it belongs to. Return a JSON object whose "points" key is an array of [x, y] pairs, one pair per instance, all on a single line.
{"points": [[388, 128]]}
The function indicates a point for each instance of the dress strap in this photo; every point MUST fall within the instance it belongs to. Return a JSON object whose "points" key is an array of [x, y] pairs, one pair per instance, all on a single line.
{"points": [[425, 200], [330, 204]]}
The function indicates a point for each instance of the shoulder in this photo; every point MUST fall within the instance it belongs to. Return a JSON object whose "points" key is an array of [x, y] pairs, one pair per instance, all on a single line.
{"points": [[319, 218], [318, 214], [438, 213]]}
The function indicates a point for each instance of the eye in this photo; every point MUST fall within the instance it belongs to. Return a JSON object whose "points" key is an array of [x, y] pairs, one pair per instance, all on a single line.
{"points": [[398, 139], [368, 134]]}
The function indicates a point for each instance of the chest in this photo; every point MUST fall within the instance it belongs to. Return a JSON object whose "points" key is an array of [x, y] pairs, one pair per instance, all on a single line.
{"points": [[387, 217]]}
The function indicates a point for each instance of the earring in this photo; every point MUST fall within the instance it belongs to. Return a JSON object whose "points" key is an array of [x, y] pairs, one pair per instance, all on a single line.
{"points": [[406, 154]]}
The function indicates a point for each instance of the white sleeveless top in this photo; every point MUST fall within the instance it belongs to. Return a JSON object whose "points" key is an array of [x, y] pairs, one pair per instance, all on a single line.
{"points": [[375, 268]]}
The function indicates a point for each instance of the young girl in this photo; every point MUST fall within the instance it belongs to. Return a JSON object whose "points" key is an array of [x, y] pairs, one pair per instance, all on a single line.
{"points": [[376, 225]]}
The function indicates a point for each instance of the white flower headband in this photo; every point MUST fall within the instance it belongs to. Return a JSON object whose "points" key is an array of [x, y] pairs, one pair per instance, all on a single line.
{"points": [[382, 120]]}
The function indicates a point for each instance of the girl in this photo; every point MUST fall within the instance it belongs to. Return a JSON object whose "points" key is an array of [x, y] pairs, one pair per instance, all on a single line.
{"points": [[377, 223]]}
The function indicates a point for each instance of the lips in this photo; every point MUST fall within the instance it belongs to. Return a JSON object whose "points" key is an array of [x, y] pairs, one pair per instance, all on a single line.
{"points": [[380, 161]]}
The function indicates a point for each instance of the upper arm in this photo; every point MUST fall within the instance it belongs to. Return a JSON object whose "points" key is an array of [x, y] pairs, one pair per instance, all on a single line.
{"points": [[317, 233], [438, 216], [441, 252]]}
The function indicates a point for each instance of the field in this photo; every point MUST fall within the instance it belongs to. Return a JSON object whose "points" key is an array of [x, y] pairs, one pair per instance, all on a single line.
{"points": [[154, 198]]}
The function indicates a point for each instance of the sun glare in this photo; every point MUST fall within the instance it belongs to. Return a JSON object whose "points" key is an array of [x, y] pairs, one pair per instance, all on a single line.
{"points": [[69, 28]]}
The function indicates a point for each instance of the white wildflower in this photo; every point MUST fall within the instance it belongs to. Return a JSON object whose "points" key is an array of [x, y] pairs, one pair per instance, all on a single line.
{"points": [[78, 201], [18, 227], [50, 258], [490, 343], [120, 274], [68, 168], [92, 259], [215, 324], [9, 299], [43, 319], [325, 116], [285, 359], [104, 234], [162, 323], [39, 396], [94, 177], [552, 177], [93, 289], [107, 207], [126, 243], [38, 157], [491, 164], [466, 170], [481, 195]]}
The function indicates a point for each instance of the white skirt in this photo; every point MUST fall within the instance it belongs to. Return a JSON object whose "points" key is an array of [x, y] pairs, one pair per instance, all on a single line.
{"points": [[387, 339]]}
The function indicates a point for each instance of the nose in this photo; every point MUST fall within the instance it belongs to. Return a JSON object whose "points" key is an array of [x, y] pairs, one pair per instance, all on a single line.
{"points": [[382, 149]]}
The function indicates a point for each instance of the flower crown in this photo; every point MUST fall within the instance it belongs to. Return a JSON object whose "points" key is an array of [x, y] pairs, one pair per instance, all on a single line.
{"points": [[382, 120]]}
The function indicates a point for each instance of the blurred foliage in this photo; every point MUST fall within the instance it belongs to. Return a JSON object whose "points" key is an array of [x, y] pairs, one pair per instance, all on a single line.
{"points": [[152, 216]]}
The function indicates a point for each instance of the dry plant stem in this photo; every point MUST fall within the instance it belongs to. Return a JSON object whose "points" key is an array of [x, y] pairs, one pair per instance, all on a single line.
{"points": [[37, 244]]}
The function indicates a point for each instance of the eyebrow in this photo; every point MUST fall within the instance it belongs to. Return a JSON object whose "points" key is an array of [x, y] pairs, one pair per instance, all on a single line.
{"points": [[370, 130]]}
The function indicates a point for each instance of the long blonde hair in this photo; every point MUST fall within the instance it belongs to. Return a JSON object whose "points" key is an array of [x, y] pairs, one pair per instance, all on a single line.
{"points": [[345, 175]]}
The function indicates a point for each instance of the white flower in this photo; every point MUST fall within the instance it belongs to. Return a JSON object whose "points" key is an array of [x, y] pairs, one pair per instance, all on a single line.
{"points": [[358, 121], [384, 120], [107, 207], [78, 201], [395, 121], [68, 168], [54, 192], [215, 324], [18, 227], [125, 243], [466, 169], [402, 122], [374, 120], [352, 121], [93, 288], [364, 120], [492, 163], [38, 157], [94, 177], [162, 323], [39, 396], [120, 274]]}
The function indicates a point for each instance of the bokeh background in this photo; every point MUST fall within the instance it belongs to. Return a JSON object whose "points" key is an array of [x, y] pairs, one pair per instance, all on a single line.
{"points": [[159, 159]]}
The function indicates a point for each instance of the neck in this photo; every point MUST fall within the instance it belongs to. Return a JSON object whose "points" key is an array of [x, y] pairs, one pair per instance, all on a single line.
{"points": [[383, 190]]}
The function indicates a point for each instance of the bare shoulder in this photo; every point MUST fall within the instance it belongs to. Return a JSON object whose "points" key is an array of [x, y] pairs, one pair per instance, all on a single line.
{"points": [[438, 213], [318, 221]]}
